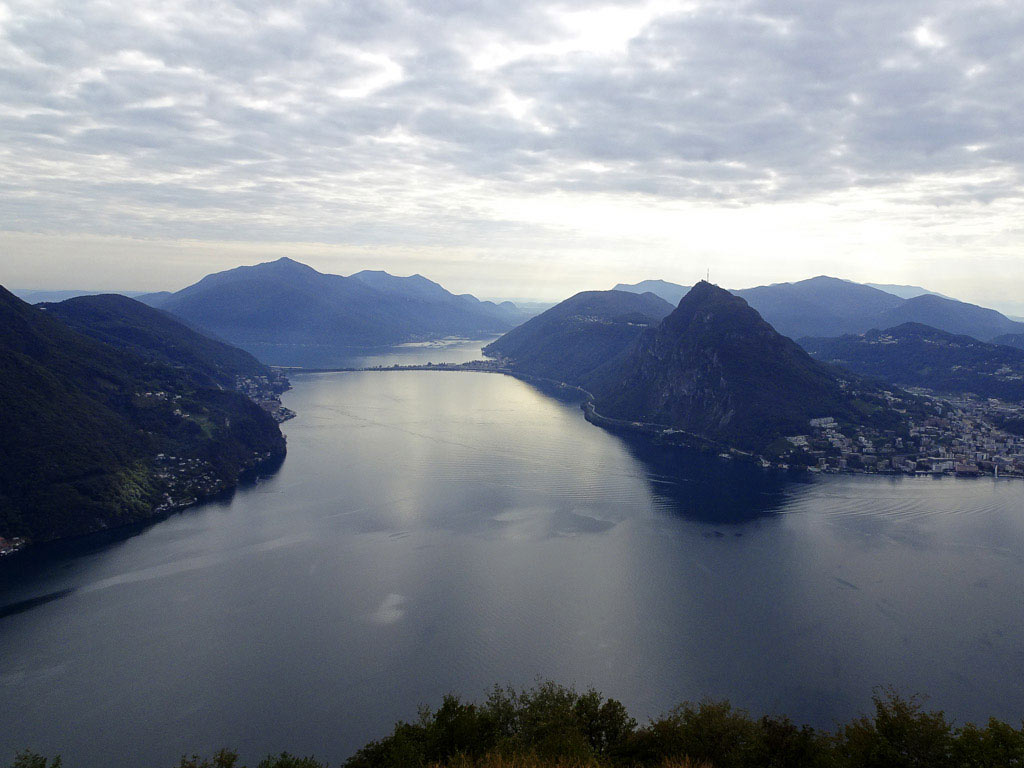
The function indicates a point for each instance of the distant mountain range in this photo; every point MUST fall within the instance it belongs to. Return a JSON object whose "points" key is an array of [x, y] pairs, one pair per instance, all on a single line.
{"points": [[827, 306], [921, 356], [572, 339], [287, 313], [32, 296], [670, 292], [95, 435], [711, 367], [905, 291]]}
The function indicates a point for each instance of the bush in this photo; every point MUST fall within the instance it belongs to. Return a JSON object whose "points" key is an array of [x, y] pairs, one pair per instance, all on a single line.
{"points": [[901, 735], [552, 726]]}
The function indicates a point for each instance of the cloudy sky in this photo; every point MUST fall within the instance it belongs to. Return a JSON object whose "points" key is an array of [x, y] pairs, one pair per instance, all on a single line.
{"points": [[515, 149]]}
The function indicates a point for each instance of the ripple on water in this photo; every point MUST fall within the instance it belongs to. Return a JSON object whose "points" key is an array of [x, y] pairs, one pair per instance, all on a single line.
{"points": [[901, 498]]}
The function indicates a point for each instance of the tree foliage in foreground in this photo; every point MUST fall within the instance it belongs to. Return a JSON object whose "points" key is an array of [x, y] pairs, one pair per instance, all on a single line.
{"points": [[552, 726]]}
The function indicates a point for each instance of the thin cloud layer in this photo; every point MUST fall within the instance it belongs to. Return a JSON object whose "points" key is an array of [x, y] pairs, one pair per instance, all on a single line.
{"points": [[416, 123]]}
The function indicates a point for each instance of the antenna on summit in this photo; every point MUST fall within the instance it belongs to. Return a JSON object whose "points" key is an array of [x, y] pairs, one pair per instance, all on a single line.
{"points": [[708, 278]]}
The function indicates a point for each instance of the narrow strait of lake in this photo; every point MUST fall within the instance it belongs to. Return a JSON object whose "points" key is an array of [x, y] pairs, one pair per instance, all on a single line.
{"points": [[433, 532]]}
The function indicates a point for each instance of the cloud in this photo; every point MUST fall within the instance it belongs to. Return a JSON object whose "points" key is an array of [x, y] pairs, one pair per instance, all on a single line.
{"points": [[377, 123]]}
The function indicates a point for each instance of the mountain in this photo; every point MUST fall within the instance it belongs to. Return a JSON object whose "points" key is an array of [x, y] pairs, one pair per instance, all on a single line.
{"points": [[670, 292], [37, 296], [287, 313], [715, 368], [155, 299], [949, 315], [917, 355], [828, 306], [1010, 340], [419, 287], [92, 436], [904, 291], [577, 336], [156, 336]]}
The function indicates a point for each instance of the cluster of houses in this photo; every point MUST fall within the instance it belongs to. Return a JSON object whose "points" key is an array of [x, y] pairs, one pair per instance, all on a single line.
{"points": [[266, 391], [9, 546], [958, 436], [185, 479]]}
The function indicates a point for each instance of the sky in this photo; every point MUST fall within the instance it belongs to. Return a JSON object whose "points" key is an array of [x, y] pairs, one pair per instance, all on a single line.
{"points": [[515, 149]]}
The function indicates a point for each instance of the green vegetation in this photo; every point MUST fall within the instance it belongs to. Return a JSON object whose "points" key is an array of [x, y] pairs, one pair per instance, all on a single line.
{"points": [[574, 338], [83, 426], [915, 355], [156, 336], [551, 726]]}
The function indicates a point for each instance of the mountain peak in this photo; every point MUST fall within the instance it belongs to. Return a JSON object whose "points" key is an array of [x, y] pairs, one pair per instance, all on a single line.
{"points": [[709, 304], [703, 289], [286, 265], [715, 368]]}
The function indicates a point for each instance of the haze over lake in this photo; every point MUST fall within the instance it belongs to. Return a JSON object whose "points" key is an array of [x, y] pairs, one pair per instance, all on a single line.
{"points": [[436, 531]]}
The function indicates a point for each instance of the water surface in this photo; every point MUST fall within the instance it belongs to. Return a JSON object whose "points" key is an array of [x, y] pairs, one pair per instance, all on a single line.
{"points": [[440, 531]]}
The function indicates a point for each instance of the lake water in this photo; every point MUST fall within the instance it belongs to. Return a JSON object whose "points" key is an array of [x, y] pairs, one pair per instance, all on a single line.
{"points": [[438, 531]]}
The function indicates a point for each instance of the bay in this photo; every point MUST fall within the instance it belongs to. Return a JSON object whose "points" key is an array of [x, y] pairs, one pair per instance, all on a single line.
{"points": [[433, 532]]}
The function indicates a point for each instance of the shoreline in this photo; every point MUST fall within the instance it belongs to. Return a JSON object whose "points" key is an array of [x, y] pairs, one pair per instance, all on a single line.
{"points": [[654, 432], [262, 467]]}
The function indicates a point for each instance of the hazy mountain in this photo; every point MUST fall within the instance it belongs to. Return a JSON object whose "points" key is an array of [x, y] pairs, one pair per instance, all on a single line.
{"points": [[287, 313], [949, 315], [904, 291], [828, 306], [154, 299], [918, 355], [32, 296], [83, 424], [582, 333], [1010, 340], [419, 287], [715, 368], [670, 292], [156, 335], [831, 305]]}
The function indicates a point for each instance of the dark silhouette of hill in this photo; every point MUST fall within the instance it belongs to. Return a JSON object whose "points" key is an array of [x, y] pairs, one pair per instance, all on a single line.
{"points": [[918, 355], [157, 336], [83, 425], [715, 368], [582, 333]]}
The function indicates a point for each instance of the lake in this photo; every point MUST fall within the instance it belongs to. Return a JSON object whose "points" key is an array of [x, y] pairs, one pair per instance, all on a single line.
{"points": [[439, 531]]}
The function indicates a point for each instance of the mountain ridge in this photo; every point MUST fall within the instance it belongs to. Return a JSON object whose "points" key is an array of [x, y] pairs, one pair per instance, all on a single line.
{"points": [[569, 341], [88, 431], [828, 306], [156, 335], [287, 313], [918, 355]]}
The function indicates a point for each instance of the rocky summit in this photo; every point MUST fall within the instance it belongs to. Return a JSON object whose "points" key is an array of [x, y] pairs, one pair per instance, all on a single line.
{"points": [[715, 368]]}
